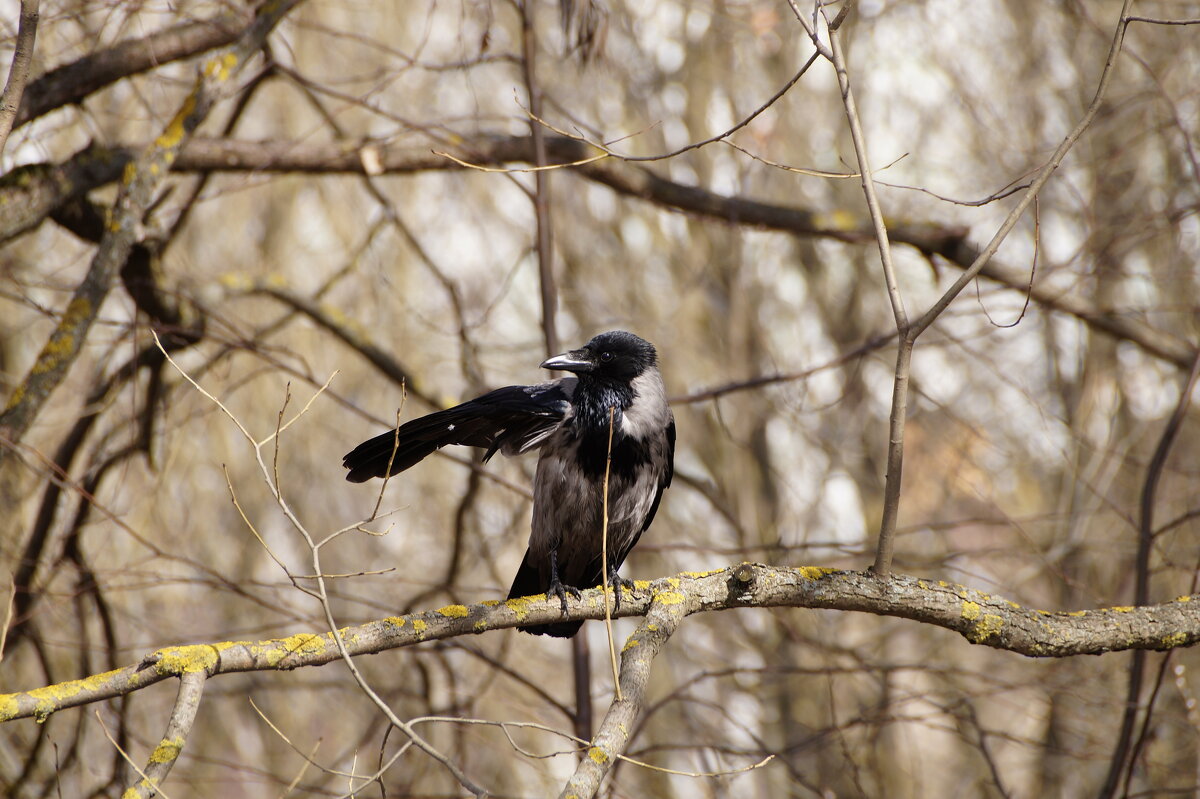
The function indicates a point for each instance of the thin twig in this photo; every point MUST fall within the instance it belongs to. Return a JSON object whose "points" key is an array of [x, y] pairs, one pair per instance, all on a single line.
{"points": [[321, 592], [1121, 758], [914, 330], [18, 71], [137, 190], [124, 754], [899, 410], [612, 647], [9, 608]]}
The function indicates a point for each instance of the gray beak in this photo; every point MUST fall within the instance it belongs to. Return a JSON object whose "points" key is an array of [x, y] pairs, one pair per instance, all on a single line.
{"points": [[573, 361]]}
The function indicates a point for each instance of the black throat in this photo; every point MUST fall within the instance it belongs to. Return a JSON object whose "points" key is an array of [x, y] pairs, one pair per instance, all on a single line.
{"points": [[593, 401]]}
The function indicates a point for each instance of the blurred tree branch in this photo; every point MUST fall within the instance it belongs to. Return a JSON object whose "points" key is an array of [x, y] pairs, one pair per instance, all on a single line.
{"points": [[71, 83], [38, 189], [139, 184], [18, 71]]}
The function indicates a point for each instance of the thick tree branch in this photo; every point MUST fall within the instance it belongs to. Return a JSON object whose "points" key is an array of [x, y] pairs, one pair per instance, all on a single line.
{"points": [[666, 611], [191, 687], [977, 616]]}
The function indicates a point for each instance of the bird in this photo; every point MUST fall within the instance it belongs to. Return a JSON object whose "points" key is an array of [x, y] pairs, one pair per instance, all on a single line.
{"points": [[614, 379]]}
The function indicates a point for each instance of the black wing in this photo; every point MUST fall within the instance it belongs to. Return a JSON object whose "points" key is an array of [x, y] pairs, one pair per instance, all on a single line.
{"points": [[513, 419]]}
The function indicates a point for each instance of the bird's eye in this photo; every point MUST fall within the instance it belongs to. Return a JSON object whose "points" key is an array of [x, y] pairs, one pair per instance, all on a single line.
{"points": [[606, 356]]}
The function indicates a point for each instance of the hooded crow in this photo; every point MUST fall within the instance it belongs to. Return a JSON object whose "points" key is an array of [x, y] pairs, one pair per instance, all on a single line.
{"points": [[568, 421]]}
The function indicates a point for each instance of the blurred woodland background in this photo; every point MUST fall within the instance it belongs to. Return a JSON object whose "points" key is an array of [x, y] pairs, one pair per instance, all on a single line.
{"points": [[358, 201]]}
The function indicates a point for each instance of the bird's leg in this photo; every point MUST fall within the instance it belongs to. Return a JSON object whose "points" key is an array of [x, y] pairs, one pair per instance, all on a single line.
{"points": [[556, 587], [618, 582]]}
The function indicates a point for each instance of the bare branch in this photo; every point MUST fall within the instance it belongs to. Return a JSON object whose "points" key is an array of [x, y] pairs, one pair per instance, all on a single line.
{"points": [[18, 71], [1141, 591], [137, 191], [979, 617], [71, 83], [1035, 186], [899, 410], [43, 187], [191, 687], [883, 556], [667, 610]]}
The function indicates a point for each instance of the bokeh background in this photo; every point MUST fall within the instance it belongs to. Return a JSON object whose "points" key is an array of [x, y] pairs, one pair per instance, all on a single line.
{"points": [[1030, 434]]}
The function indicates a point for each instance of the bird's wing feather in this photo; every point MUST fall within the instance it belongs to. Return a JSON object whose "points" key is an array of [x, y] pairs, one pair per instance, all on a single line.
{"points": [[512, 420]]}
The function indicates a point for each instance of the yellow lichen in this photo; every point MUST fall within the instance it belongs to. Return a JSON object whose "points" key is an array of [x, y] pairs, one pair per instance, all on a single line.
{"points": [[837, 220], [299, 644], [1122, 609], [630, 644], [236, 280], [598, 755], [420, 626], [221, 66], [185, 659], [453, 611], [395, 621], [985, 628], [970, 610], [813, 572], [520, 606], [480, 626], [173, 135], [77, 311], [698, 575], [15, 399], [1077, 613], [669, 598], [1184, 598], [51, 697], [1174, 639], [641, 585], [167, 751]]}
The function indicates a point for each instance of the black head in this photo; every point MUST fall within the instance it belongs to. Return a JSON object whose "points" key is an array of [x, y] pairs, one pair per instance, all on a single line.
{"points": [[615, 355]]}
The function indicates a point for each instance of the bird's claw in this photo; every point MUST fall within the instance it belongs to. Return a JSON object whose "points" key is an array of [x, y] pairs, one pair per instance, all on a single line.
{"points": [[618, 583], [559, 590]]}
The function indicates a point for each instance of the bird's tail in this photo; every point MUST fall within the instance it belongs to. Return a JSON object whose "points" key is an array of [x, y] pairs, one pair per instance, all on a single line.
{"points": [[372, 457], [528, 582]]}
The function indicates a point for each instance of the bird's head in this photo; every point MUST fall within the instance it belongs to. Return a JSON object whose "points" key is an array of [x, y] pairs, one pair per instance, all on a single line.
{"points": [[615, 355]]}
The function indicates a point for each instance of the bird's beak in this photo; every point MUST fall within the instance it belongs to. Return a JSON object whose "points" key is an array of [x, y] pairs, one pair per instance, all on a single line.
{"points": [[573, 361]]}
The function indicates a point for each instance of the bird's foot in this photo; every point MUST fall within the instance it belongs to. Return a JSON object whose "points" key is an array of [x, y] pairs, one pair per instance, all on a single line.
{"points": [[618, 583], [559, 590]]}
